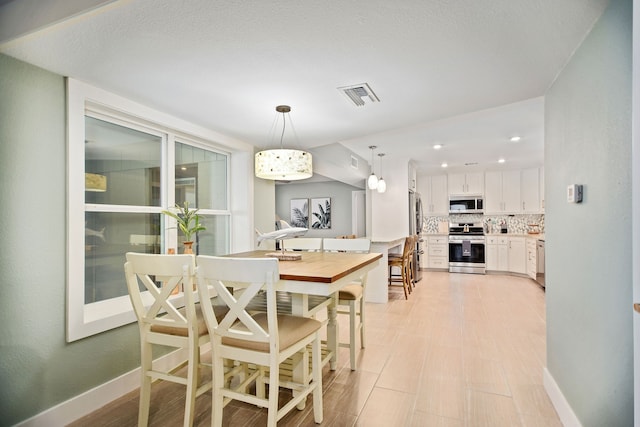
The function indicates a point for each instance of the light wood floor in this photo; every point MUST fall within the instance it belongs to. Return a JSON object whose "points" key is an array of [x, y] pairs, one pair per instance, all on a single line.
{"points": [[464, 350]]}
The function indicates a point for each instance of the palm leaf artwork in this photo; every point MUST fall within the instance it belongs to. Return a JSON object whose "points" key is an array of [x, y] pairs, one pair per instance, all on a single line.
{"points": [[299, 214], [321, 214]]}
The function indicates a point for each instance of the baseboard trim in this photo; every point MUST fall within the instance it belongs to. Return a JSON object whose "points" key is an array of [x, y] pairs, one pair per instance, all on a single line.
{"points": [[565, 413], [94, 399]]}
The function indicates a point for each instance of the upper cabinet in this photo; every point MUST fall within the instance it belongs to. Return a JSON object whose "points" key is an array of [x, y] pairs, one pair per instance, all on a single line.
{"points": [[531, 191], [466, 183], [542, 189], [512, 192], [435, 199], [502, 192]]}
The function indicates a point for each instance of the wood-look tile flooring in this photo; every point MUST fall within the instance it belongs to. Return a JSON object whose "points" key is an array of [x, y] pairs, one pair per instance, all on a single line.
{"points": [[464, 350]]}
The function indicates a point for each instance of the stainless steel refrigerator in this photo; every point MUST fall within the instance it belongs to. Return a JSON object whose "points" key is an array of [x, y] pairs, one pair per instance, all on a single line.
{"points": [[415, 227]]}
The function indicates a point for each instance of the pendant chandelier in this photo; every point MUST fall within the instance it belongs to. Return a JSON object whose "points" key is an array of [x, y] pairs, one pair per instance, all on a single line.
{"points": [[382, 186], [283, 164], [372, 182], [95, 182]]}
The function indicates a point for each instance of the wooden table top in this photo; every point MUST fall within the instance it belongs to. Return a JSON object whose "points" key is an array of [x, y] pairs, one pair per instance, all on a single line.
{"points": [[324, 267]]}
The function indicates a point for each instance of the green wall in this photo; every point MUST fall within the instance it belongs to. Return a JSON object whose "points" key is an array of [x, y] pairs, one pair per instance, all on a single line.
{"points": [[38, 368], [588, 246]]}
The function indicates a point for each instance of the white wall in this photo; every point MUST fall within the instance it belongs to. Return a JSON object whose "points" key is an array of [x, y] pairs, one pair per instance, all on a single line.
{"points": [[390, 210], [264, 208], [588, 245], [340, 204]]}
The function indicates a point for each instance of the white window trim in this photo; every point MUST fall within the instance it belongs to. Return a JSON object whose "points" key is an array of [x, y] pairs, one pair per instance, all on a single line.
{"points": [[84, 320]]}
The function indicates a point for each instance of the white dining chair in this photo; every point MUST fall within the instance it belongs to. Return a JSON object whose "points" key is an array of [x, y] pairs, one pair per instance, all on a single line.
{"points": [[311, 244], [351, 295], [265, 339], [166, 317]]}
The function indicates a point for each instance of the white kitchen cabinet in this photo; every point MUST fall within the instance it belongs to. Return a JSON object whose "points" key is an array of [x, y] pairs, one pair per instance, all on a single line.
{"points": [[502, 192], [435, 199], [496, 254], [530, 194], [491, 254], [517, 255], [532, 249], [438, 252], [541, 190], [466, 183]]}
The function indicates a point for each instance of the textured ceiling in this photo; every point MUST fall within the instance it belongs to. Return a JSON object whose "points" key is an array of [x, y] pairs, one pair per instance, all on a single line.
{"points": [[466, 73]]}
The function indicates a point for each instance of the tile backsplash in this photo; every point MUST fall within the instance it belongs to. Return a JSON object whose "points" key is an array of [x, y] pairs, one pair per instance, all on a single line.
{"points": [[515, 223]]}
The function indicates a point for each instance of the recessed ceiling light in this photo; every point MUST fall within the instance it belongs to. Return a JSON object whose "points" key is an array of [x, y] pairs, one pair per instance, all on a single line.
{"points": [[184, 168], [501, 160], [515, 138], [444, 165], [437, 146]]}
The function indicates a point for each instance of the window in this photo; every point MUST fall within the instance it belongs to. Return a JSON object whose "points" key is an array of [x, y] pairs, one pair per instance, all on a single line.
{"points": [[123, 171]]}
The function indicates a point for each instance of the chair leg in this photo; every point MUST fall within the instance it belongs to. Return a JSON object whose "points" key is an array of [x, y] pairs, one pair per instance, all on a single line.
{"points": [[192, 384], [145, 384], [404, 283], [217, 398], [362, 322], [352, 334], [316, 366], [274, 388]]}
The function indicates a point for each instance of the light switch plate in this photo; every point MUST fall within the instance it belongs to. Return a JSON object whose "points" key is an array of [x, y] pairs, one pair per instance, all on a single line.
{"points": [[574, 193]]}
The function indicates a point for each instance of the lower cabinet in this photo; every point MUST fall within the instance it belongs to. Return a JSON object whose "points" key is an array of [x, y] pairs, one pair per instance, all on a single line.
{"points": [[532, 254], [505, 253], [438, 252], [497, 255], [517, 255]]}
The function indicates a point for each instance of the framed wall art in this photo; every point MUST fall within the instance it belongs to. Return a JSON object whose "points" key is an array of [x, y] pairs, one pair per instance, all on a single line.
{"points": [[321, 213], [299, 213]]}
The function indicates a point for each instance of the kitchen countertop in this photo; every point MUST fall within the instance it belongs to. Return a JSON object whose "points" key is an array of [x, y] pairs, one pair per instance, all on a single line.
{"points": [[539, 236]]}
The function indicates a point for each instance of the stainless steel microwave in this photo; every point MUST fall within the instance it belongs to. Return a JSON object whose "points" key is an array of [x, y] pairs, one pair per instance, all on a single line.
{"points": [[466, 204]]}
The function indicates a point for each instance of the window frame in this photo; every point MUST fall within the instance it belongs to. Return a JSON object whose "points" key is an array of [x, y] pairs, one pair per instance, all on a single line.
{"points": [[84, 320]]}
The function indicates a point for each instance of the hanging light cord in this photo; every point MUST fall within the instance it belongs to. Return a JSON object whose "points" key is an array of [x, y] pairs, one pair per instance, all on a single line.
{"points": [[284, 125]]}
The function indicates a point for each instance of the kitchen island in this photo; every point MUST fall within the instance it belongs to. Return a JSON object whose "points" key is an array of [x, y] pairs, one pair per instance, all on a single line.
{"points": [[378, 280]]}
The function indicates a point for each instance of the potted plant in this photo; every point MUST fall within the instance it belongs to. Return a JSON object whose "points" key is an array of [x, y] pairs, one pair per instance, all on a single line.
{"points": [[188, 222]]}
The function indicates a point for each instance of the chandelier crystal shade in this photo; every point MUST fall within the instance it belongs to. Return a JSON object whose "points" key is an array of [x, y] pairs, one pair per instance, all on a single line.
{"points": [[283, 164]]}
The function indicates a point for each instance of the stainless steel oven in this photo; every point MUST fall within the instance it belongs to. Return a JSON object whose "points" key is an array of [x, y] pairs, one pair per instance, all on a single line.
{"points": [[466, 248]]}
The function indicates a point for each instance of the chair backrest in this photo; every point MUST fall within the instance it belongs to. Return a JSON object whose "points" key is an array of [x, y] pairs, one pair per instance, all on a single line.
{"points": [[346, 245], [311, 244], [408, 247], [253, 275], [160, 276]]}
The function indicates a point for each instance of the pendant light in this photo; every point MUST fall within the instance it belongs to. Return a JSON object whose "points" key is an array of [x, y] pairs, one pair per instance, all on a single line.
{"points": [[382, 186], [95, 182], [283, 164], [372, 182]]}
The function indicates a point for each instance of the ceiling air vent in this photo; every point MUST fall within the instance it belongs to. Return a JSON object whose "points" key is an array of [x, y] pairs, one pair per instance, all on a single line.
{"points": [[360, 94]]}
